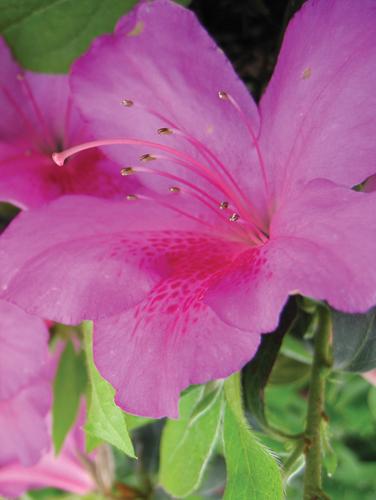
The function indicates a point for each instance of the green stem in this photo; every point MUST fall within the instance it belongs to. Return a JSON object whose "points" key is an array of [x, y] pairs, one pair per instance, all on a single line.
{"points": [[315, 413]]}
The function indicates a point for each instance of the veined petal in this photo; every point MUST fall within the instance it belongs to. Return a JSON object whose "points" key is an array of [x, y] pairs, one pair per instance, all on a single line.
{"points": [[23, 349], [323, 87], [31, 179], [143, 64], [92, 258], [320, 246], [172, 339]]}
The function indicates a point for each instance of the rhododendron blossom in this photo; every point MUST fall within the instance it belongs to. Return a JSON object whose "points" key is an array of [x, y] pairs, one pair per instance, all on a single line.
{"points": [[67, 471], [25, 393], [240, 206], [38, 117]]}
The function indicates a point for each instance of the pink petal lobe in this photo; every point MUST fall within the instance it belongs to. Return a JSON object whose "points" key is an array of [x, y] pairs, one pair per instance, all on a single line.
{"points": [[172, 339], [65, 471], [323, 88], [38, 118], [172, 85], [92, 257], [23, 349], [23, 430], [319, 246]]}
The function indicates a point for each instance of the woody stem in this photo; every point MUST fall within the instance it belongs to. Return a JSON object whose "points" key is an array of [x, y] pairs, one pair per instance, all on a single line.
{"points": [[315, 413]]}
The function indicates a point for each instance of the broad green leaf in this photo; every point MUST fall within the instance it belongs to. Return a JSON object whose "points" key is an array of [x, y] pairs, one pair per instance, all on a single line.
{"points": [[252, 472], [134, 422], [256, 373], [69, 383], [187, 443], [105, 421], [287, 371], [47, 35], [354, 341]]}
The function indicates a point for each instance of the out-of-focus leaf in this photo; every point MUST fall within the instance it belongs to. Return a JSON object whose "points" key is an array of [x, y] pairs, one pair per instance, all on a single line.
{"points": [[372, 401], [105, 421], [296, 349], [256, 373], [187, 443], [287, 370], [354, 341], [252, 472], [134, 422], [47, 35], [69, 383]]}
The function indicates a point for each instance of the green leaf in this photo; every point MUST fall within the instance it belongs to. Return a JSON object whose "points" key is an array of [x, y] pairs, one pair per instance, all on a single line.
{"points": [[354, 341], [134, 422], [47, 35], [252, 472], [187, 443], [105, 421], [69, 383]]}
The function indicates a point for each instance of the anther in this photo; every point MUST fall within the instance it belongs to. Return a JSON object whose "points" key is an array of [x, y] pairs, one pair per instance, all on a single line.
{"points": [[223, 95], [224, 205], [20, 76], [131, 197], [127, 171], [147, 157], [174, 189], [234, 217], [127, 103], [164, 131]]}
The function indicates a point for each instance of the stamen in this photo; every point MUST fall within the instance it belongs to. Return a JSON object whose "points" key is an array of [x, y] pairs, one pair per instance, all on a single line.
{"points": [[147, 157], [127, 103], [234, 217], [208, 155], [223, 95], [164, 131], [224, 205], [131, 197], [127, 171], [174, 189]]}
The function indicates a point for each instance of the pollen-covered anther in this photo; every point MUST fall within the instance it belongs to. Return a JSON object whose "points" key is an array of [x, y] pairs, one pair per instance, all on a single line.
{"points": [[224, 205], [147, 157], [127, 103], [131, 197], [174, 189], [234, 217], [127, 171], [223, 95], [164, 131]]}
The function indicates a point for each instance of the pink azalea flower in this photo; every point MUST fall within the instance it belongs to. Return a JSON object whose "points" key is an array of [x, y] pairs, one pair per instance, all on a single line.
{"points": [[66, 471], [241, 206], [37, 117], [25, 393]]}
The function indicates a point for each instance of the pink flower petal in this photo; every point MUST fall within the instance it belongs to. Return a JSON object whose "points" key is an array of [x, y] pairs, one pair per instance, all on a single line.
{"points": [[38, 118], [318, 110], [66, 471], [144, 63], [172, 339], [23, 430], [320, 246], [23, 349], [87, 262]]}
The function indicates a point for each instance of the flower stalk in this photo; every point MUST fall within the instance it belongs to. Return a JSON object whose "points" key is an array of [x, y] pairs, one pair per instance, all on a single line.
{"points": [[315, 414]]}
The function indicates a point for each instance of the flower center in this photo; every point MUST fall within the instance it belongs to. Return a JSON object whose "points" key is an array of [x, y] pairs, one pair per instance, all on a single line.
{"points": [[233, 207]]}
